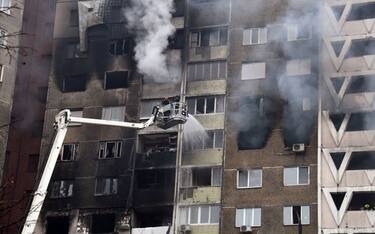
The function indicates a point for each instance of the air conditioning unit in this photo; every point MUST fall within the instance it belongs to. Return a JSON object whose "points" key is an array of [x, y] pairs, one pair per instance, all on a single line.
{"points": [[245, 228], [185, 228], [298, 148]]}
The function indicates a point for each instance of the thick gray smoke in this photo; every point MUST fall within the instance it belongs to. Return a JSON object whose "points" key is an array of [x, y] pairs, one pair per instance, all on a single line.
{"points": [[150, 21]]}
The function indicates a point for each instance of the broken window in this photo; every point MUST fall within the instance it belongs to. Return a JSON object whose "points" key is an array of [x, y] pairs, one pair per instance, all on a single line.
{"points": [[157, 143], [361, 84], [251, 178], [362, 11], [361, 121], [106, 186], [115, 113], [2, 68], [209, 37], [205, 105], [292, 215], [62, 189], [119, 47], [103, 223], [251, 71], [362, 201], [296, 176], [214, 140], [298, 32], [73, 18], [254, 36], [298, 67], [204, 214], [76, 113], [361, 47], [72, 50], [249, 217], [110, 149], [207, 71], [363, 160], [200, 177], [3, 37], [74, 84], [69, 152], [116, 79], [58, 224], [32, 164]]}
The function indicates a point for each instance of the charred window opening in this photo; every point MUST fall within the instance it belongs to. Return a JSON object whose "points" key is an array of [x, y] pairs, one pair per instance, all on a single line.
{"points": [[361, 47], [110, 149], [154, 179], [362, 161], [106, 186], [103, 223], [74, 84], [209, 37], [158, 143], [116, 79], [362, 201], [360, 84], [69, 152], [337, 119], [62, 189], [337, 199], [362, 11], [257, 116], [177, 41], [58, 225], [361, 121], [179, 6], [119, 47], [201, 177], [154, 216]]}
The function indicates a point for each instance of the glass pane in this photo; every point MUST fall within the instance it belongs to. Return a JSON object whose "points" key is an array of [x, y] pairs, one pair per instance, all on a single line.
{"points": [[191, 71], [210, 105], [191, 106], [255, 178], [219, 138], [242, 178], [214, 38], [183, 215], [207, 71], [110, 152], [257, 217], [254, 36], [214, 71], [219, 104], [246, 37], [216, 176], [204, 214], [199, 71], [205, 41], [303, 175], [223, 36], [106, 113], [194, 214], [239, 217], [263, 35], [248, 217], [305, 210], [222, 70], [290, 176], [287, 215], [215, 214], [209, 141], [194, 39], [200, 105]]}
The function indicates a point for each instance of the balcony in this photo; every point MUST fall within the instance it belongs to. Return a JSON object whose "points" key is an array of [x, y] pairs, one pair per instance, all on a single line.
{"points": [[165, 159]]}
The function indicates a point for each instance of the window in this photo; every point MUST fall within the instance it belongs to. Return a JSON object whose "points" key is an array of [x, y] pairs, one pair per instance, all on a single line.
{"points": [[116, 113], [5, 6], [292, 214], [296, 176], [116, 79], [204, 214], [208, 37], [205, 105], [73, 18], [214, 140], [106, 186], [62, 188], [147, 107], [118, 47], [253, 36], [3, 37], [32, 164], [72, 50], [298, 67], [76, 113], [69, 152], [250, 71], [103, 223], [74, 84], [207, 71], [249, 178], [200, 177], [298, 32], [1, 72], [248, 217], [110, 149]]}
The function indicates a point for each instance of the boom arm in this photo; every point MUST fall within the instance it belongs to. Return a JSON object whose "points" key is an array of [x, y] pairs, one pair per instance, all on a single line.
{"points": [[61, 124]]}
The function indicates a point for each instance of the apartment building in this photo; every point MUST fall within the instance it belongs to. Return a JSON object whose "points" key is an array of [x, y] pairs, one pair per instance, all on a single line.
{"points": [[346, 149]]}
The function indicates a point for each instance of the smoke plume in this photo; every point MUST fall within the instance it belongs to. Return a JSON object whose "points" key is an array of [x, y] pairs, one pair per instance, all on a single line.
{"points": [[150, 21]]}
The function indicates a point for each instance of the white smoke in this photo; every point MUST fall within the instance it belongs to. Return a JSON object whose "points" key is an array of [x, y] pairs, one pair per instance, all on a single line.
{"points": [[150, 20]]}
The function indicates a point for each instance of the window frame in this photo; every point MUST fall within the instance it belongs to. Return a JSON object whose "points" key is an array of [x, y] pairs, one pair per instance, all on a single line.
{"points": [[75, 152], [111, 186], [298, 176], [291, 213], [210, 64], [122, 108], [293, 32], [188, 217], [211, 31], [216, 97], [215, 132], [3, 37], [252, 216], [248, 178], [70, 185], [261, 30], [5, 9], [115, 44], [118, 149], [2, 71]]}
